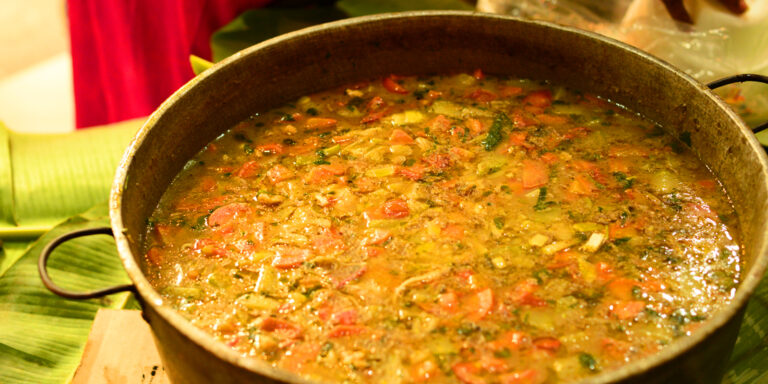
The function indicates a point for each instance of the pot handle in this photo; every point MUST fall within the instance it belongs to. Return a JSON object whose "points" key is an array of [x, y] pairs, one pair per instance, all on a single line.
{"points": [[740, 79], [46, 253]]}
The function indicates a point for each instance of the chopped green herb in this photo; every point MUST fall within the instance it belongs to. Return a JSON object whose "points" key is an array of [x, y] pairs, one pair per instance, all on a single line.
{"points": [[626, 182], [496, 132], [588, 362], [541, 201], [498, 222]]}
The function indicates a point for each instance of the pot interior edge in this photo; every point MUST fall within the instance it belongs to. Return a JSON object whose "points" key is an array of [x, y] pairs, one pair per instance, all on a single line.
{"points": [[258, 79]]}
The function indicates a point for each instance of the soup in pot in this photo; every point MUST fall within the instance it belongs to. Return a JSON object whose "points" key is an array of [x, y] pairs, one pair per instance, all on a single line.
{"points": [[461, 229]]}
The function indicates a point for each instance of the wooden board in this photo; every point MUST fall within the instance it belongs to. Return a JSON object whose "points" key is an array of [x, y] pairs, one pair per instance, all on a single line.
{"points": [[120, 349]]}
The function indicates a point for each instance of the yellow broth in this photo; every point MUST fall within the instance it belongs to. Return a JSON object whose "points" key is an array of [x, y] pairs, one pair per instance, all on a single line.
{"points": [[462, 228]]}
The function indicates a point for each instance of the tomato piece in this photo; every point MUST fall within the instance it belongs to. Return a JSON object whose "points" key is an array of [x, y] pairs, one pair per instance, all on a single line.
{"points": [[466, 373], [330, 240], [279, 173], [482, 95], [272, 149], [346, 330], [390, 84], [414, 173], [448, 301], [354, 276], [228, 213], [347, 317], [604, 271], [523, 293], [249, 169], [493, 365], [399, 136], [618, 230], [535, 174], [625, 310], [518, 138], [547, 343], [280, 327], [288, 258], [478, 74], [395, 209], [323, 174], [440, 124], [475, 126], [320, 123], [541, 98], [521, 121], [622, 288], [480, 304], [373, 116]]}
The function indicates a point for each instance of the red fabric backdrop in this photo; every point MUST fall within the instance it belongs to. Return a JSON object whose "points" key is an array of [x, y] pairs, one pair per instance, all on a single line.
{"points": [[130, 55]]}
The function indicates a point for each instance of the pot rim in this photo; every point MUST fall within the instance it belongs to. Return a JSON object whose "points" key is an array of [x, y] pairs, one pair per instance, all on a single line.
{"points": [[152, 298]]}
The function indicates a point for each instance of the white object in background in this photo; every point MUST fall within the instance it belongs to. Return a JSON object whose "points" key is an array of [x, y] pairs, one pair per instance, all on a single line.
{"points": [[39, 99], [718, 44]]}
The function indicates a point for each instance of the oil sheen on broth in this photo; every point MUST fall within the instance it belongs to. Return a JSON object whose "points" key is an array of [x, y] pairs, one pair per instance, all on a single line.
{"points": [[461, 229]]}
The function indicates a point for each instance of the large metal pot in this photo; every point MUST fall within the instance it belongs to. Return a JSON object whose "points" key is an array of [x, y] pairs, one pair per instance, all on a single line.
{"points": [[284, 68]]}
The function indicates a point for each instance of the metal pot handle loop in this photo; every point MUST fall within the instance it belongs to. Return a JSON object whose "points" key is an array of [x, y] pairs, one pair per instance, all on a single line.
{"points": [[46, 253], [740, 79]]}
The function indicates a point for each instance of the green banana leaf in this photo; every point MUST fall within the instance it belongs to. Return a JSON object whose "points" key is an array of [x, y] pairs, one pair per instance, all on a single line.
{"points": [[46, 178], [42, 336]]}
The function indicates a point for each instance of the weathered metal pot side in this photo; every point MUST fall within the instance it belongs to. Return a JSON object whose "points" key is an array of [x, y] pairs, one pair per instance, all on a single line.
{"points": [[282, 69]]}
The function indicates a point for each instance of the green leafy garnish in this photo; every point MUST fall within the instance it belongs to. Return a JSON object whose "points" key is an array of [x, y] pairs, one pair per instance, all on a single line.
{"points": [[541, 201], [588, 362], [626, 182], [496, 132]]}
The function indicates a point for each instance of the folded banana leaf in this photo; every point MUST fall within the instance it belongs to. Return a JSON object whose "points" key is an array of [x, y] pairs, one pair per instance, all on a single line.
{"points": [[42, 336], [46, 178]]}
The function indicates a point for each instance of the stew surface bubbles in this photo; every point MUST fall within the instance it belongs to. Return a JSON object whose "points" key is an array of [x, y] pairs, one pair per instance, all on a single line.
{"points": [[461, 229]]}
